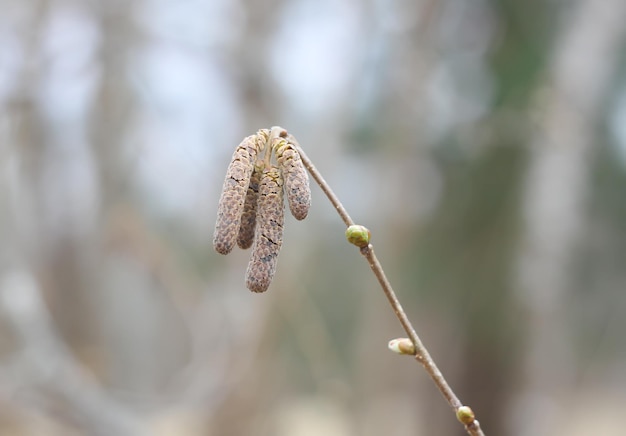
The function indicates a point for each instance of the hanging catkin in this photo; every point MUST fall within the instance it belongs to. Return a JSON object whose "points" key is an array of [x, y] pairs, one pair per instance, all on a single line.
{"points": [[295, 176], [269, 231], [236, 183], [245, 238]]}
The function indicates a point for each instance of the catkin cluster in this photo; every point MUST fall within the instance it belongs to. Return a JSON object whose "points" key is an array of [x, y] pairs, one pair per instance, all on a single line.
{"points": [[251, 209]]}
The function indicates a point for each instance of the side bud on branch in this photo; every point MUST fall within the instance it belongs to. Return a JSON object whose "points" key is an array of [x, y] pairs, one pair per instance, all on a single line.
{"points": [[465, 415], [358, 235], [402, 346]]}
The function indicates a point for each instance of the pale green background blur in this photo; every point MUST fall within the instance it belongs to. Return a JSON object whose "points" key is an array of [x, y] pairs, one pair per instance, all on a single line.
{"points": [[482, 141]]}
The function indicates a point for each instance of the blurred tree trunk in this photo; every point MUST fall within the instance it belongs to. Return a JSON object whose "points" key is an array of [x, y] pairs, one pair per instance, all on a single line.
{"points": [[554, 203], [51, 247], [135, 316], [261, 98], [459, 271], [461, 258]]}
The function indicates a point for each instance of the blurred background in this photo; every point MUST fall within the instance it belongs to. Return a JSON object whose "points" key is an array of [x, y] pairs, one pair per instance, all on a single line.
{"points": [[482, 141]]}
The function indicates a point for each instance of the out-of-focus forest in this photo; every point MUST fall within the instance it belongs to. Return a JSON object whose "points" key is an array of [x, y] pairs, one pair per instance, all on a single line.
{"points": [[483, 142]]}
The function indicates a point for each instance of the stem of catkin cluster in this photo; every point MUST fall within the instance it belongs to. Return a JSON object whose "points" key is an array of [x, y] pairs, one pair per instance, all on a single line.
{"points": [[421, 353]]}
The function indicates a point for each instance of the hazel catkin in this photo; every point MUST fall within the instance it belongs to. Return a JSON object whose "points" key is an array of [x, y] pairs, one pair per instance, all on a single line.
{"points": [[269, 231], [232, 199], [245, 238], [295, 176]]}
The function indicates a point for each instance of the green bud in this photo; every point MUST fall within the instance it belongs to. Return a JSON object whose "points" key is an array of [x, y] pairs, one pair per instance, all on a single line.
{"points": [[358, 235], [465, 415]]}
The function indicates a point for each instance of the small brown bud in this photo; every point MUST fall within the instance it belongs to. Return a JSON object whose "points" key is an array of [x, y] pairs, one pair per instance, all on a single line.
{"points": [[236, 182], [295, 176], [402, 346], [245, 238], [269, 231], [278, 131]]}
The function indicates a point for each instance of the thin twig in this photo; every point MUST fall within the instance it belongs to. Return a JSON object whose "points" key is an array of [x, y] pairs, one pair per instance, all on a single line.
{"points": [[343, 213], [421, 353]]}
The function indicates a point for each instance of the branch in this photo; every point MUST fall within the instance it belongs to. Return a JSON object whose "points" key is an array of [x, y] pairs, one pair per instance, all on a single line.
{"points": [[419, 351]]}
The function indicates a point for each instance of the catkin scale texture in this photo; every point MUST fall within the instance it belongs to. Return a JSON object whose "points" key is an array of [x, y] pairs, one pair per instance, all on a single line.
{"points": [[269, 231], [245, 238], [295, 178], [234, 190]]}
